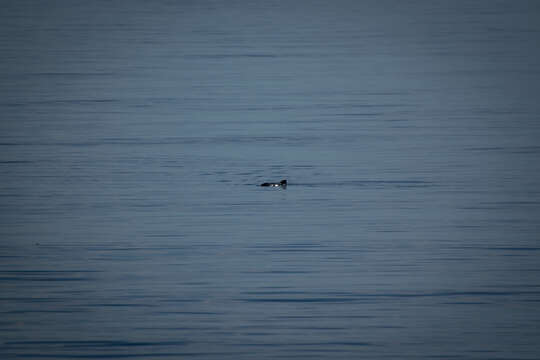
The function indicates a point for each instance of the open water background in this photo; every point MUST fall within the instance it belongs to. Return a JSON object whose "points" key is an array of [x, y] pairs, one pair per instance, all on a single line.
{"points": [[133, 135]]}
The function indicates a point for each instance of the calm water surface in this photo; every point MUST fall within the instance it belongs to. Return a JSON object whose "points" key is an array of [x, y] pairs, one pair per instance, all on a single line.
{"points": [[133, 135]]}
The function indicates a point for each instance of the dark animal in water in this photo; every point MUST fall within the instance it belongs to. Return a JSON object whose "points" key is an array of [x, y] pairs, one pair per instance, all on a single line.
{"points": [[282, 183]]}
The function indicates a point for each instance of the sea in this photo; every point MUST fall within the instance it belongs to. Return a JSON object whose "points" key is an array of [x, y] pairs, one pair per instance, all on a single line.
{"points": [[134, 136]]}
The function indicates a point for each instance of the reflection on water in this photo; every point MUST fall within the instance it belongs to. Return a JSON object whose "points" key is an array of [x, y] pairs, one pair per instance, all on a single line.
{"points": [[134, 139]]}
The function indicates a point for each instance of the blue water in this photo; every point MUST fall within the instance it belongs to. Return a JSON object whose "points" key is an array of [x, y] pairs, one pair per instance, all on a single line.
{"points": [[133, 136]]}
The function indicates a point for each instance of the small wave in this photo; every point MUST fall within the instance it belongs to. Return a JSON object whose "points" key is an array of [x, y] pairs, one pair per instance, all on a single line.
{"points": [[368, 183]]}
